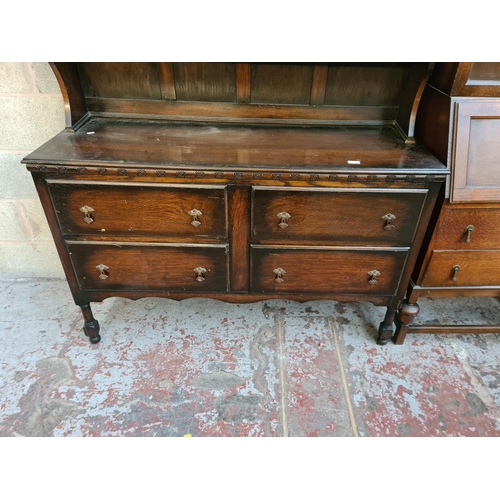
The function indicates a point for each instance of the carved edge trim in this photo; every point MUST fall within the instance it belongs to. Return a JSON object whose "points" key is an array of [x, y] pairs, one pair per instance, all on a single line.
{"points": [[241, 176]]}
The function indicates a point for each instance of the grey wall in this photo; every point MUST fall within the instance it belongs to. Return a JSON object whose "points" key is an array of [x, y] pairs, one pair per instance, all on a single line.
{"points": [[31, 112]]}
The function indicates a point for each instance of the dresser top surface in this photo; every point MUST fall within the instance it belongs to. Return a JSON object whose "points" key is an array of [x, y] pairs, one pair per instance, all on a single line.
{"points": [[163, 143]]}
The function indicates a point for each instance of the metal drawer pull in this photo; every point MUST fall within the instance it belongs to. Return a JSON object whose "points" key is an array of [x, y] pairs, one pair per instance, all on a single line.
{"points": [[86, 214], [195, 214], [102, 268], [200, 271], [283, 216], [373, 277], [455, 272], [279, 275], [468, 231], [388, 218]]}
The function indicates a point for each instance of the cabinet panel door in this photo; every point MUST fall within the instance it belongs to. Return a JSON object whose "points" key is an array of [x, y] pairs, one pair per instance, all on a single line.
{"points": [[476, 159]]}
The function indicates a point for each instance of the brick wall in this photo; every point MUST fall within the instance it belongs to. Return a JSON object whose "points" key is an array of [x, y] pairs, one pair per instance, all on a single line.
{"points": [[31, 112]]}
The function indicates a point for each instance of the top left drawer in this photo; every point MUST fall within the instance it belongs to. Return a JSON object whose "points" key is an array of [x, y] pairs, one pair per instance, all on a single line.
{"points": [[114, 209]]}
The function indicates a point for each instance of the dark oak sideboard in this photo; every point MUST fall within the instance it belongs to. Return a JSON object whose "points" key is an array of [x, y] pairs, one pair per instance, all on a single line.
{"points": [[239, 182]]}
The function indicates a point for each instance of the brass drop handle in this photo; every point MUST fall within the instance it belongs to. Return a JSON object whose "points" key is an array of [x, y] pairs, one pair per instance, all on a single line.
{"points": [[455, 272], [373, 277], [102, 270], [388, 218], [468, 231], [278, 275], [200, 271], [195, 214], [283, 216], [86, 214]]}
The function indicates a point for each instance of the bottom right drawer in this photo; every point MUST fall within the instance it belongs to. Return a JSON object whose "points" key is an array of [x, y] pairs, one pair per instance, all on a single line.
{"points": [[317, 270], [463, 268]]}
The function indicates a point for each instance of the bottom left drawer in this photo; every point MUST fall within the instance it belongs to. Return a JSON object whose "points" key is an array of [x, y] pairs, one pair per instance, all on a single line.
{"points": [[127, 266]]}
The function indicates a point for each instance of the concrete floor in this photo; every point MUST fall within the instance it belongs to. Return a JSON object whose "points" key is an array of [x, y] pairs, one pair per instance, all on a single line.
{"points": [[206, 368]]}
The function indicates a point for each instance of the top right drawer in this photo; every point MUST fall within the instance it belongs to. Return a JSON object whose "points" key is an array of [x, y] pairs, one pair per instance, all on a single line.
{"points": [[468, 228], [364, 217]]}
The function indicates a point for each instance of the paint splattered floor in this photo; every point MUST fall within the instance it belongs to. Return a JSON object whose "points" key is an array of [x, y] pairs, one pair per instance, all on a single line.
{"points": [[206, 368]]}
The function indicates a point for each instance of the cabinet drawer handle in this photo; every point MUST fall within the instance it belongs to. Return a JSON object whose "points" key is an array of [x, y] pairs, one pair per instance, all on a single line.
{"points": [[455, 270], [373, 277], [102, 271], [86, 214], [200, 271], [195, 214], [283, 216], [468, 231], [278, 275], [388, 218]]}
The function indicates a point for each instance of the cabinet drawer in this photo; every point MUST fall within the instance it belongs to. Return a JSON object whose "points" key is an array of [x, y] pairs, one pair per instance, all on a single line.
{"points": [[344, 217], [453, 231], [137, 210], [149, 267], [326, 271], [476, 268]]}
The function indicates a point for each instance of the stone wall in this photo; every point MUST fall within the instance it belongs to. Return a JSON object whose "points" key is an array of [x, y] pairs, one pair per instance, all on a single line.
{"points": [[31, 112]]}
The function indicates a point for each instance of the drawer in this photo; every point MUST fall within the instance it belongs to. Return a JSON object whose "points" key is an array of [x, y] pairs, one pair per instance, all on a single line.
{"points": [[453, 230], [326, 271], [343, 217], [139, 210], [476, 268], [149, 267]]}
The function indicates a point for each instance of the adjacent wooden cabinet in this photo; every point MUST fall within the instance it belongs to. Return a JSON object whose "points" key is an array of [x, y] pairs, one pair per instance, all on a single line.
{"points": [[459, 120], [239, 181]]}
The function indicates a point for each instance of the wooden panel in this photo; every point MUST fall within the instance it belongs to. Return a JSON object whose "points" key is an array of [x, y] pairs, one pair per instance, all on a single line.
{"points": [[205, 81], [452, 232], [121, 80], [477, 268], [432, 126], [281, 83], [239, 237], [245, 113], [484, 73], [326, 271], [128, 210], [143, 267], [476, 174], [318, 89], [443, 76], [75, 107], [344, 217], [243, 82], [365, 84], [167, 80]]}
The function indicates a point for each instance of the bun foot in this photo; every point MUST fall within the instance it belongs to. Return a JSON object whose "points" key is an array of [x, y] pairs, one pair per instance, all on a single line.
{"points": [[95, 340]]}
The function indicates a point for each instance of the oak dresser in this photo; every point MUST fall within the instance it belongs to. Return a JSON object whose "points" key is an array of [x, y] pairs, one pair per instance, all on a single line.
{"points": [[239, 182]]}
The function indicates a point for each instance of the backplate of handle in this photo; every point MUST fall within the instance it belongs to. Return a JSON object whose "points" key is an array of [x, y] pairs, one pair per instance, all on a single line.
{"points": [[455, 270]]}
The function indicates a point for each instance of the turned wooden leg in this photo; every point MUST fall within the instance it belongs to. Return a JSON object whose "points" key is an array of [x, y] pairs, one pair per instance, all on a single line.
{"points": [[90, 325], [406, 316], [386, 328]]}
